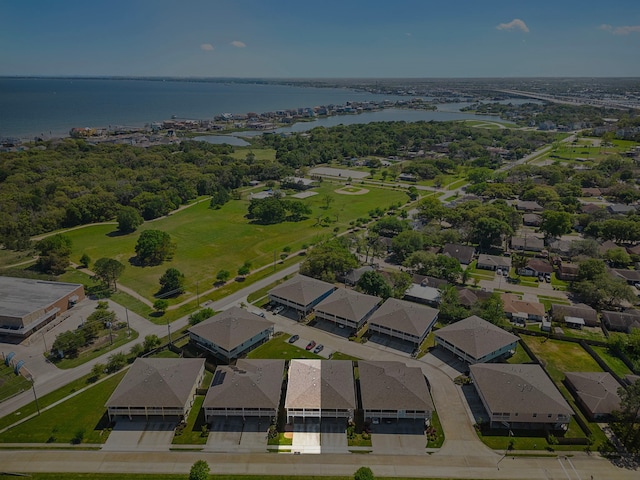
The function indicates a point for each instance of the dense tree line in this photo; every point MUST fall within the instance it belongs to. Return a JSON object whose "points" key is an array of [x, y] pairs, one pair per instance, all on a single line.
{"points": [[465, 143], [69, 182]]}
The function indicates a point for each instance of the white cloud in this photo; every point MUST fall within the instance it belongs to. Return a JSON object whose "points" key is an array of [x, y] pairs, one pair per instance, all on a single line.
{"points": [[238, 44], [606, 27], [515, 24], [626, 30], [408, 34], [207, 47]]}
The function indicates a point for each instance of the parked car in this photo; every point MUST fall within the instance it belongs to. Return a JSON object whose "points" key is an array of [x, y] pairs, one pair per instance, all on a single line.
{"points": [[547, 277], [278, 309], [499, 272], [318, 348], [294, 338], [541, 278], [311, 344]]}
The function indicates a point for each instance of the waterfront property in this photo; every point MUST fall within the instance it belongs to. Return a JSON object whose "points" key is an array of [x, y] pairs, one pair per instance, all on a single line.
{"points": [[163, 387], [231, 333], [347, 308], [301, 293], [320, 389], [520, 396], [475, 340], [28, 305], [251, 388], [403, 320], [392, 390]]}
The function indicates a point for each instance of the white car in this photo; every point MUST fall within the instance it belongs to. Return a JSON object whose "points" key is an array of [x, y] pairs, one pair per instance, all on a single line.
{"points": [[499, 272], [278, 309]]}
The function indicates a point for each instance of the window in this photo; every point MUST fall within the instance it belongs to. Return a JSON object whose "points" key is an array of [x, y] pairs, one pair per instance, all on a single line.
{"points": [[535, 415]]}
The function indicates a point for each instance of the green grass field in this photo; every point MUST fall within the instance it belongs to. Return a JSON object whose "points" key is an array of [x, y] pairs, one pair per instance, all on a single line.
{"points": [[278, 347], [10, 383], [560, 357], [210, 240], [612, 361], [146, 476], [84, 412]]}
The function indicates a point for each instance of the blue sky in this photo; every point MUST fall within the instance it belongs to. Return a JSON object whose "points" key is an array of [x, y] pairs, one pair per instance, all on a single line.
{"points": [[325, 38]]}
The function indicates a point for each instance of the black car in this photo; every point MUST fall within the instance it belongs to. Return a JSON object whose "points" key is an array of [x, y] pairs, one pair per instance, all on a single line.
{"points": [[294, 338]]}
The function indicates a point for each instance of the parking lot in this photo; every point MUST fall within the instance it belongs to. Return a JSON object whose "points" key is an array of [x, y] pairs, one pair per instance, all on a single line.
{"points": [[303, 342]]}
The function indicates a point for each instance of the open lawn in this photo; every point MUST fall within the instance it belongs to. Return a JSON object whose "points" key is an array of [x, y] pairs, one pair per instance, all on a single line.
{"points": [[79, 419], [520, 356], [10, 383], [192, 433], [146, 476], [279, 348], [560, 357], [259, 153], [612, 361], [210, 240]]}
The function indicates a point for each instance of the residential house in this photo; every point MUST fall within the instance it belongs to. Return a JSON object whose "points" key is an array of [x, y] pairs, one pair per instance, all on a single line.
{"points": [[528, 206], [529, 243], [621, 321], [469, 297], [595, 392], [463, 253], [630, 276], [620, 209], [353, 276], [347, 308], [536, 267], [591, 192], [493, 262], [560, 313], [163, 387], [250, 388], [520, 396], [320, 389], [606, 246], [403, 320], [532, 219], [559, 247], [392, 390], [475, 340], [301, 293], [232, 333], [634, 250], [567, 271], [590, 208], [521, 311]]}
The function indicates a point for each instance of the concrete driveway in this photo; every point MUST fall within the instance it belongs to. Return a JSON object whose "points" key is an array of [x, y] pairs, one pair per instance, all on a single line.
{"points": [[398, 437], [333, 436], [152, 435], [254, 435], [306, 436], [225, 434]]}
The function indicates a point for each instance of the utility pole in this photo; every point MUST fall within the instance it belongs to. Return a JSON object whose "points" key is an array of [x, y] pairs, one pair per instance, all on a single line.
{"points": [[126, 311], [33, 386], [198, 293]]}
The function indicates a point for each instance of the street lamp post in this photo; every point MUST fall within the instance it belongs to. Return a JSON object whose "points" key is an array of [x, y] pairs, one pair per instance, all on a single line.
{"points": [[126, 311], [33, 386], [45, 341]]}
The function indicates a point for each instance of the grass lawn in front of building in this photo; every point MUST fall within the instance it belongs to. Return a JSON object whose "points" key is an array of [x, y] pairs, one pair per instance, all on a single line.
{"points": [[279, 348]]}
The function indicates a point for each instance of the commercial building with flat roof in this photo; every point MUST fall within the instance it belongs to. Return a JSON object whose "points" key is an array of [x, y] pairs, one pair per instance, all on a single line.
{"points": [[27, 305]]}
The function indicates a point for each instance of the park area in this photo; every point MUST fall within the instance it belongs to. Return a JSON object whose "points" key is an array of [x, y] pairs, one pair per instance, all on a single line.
{"points": [[209, 240]]}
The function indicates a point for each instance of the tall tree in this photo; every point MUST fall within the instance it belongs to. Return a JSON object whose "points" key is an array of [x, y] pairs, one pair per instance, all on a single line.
{"points": [[154, 247], [54, 252], [373, 283], [556, 223], [108, 270], [628, 417], [172, 282], [129, 219]]}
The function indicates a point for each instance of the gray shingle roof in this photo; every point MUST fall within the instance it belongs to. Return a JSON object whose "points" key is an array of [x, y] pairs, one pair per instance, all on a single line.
{"points": [[348, 304], [476, 336], [404, 316], [157, 382], [581, 310], [326, 384], [463, 253], [393, 386], [597, 390], [525, 389], [494, 260], [249, 384], [301, 289], [231, 327]]}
